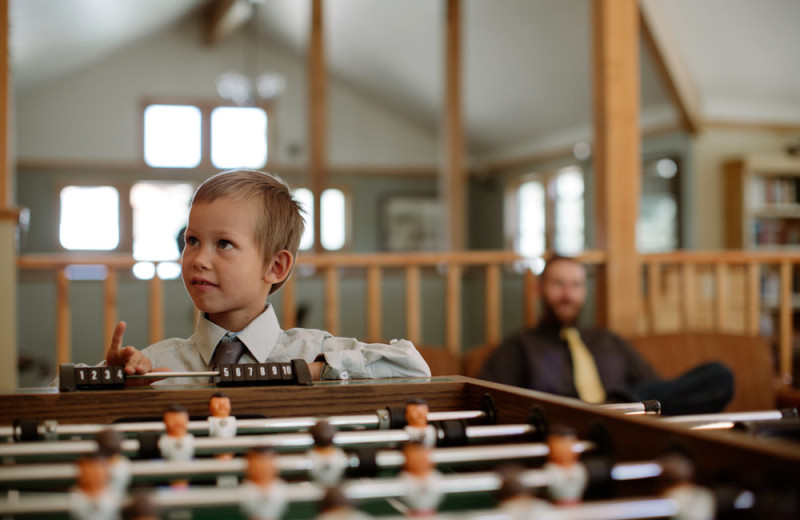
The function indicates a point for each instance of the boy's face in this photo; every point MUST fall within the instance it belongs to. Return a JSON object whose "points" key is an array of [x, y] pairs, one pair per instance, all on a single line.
{"points": [[222, 265]]}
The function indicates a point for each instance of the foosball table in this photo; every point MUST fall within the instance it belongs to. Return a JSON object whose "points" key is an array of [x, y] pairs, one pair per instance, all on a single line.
{"points": [[484, 442]]}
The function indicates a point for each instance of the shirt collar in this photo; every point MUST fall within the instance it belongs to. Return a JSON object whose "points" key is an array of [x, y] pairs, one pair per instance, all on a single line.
{"points": [[259, 336]]}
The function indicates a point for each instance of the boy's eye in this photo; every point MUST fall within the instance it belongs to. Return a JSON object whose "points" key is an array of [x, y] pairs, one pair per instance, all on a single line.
{"points": [[191, 241], [224, 244]]}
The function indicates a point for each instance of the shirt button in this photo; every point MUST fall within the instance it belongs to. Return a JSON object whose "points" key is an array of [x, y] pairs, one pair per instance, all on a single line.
{"points": [[344, 374]]}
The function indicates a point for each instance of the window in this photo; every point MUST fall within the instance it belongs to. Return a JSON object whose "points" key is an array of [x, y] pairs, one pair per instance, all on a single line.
{"points": [[238, 137], [658, 229], [160, 211], [568, 232], [89, 218], [174, 136], [546, 211], [333, 218], [530, 241]]}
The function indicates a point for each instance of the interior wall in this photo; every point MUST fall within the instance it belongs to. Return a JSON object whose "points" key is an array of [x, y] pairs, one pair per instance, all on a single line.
{"points": [[710, 149], [94, 114]]}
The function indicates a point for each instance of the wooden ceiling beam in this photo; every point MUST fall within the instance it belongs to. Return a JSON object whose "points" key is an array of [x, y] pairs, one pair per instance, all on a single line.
{"points": [[670, 66], [224, 17]]}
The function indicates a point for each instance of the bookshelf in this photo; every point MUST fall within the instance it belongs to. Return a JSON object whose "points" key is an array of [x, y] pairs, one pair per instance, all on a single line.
{"points": [[762, 195]]}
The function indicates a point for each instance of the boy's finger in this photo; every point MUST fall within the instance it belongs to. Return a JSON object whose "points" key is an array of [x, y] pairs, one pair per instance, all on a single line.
{"points": [[135, 361], [116, 338]]}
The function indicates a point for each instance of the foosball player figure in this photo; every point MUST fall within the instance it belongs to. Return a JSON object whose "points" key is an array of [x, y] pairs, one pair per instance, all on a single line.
{"points": [[109, 443], [176, 444], [336, 506], [567, 477], [263, 493], [420, 480], [515, 500], [221, 424], [417, 426], [694, 502], [141, 508], [93, 499], [328, 462]]}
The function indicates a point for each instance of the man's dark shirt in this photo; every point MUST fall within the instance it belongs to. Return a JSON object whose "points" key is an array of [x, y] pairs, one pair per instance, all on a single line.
{"points": [[540, 360]]}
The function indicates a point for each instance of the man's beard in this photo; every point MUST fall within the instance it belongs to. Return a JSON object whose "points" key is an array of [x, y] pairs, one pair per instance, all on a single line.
{"points": [[551, 318]]}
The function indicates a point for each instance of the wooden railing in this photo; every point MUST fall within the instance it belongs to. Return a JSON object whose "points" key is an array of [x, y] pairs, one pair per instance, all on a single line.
{"points": [[684, 291]]}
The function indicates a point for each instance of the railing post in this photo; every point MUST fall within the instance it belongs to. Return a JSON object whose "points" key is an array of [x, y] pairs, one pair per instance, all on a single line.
{"points": [[453, 310], [653, 279], [785, 327], [753, 298], [156, 318], [721, 282], [374, 309], [413, 304], [289, 301], [332, 299], [493, 305], [110, 309], [530, 301], [63, 320], [687, 302]]}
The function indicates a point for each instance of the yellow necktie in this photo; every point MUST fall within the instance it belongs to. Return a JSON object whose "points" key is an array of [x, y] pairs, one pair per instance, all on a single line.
{"points": [[584, 369]]}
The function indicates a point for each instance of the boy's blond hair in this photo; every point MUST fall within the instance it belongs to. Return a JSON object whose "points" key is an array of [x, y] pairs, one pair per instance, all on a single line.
{"points": [[278, 222]]}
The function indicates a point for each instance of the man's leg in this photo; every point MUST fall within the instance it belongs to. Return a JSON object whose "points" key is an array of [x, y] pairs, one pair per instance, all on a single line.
{"points": [[705, 389]]}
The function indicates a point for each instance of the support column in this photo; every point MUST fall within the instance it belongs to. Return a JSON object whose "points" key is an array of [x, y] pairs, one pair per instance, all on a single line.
{"points": [[453, 178], [318, 116], [617, 159], [9, 222]]}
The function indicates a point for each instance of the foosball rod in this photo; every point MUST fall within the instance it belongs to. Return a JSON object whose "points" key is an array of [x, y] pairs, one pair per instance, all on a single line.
{"points": [[277, 441], [381, 419], [378, 420], [355, 490], [722, 421], [12, 475], [617, 509]]}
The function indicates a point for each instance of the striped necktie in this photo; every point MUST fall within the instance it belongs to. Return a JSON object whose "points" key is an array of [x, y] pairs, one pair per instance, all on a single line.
{"points": [[584, 369]]}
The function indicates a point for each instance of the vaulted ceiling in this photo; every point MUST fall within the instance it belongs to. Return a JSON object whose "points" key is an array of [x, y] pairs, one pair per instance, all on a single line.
{"points": [[527, 63]]}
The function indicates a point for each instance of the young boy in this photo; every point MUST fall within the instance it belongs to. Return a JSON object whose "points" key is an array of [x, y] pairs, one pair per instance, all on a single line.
{"points": [[241, 241]]}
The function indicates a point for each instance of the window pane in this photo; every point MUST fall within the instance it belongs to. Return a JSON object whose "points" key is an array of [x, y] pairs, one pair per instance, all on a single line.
{"points": [[530, 201], [306, 200], [172, 136], [238, 137], [333, 219], [144, 270], [89, 218], [168, 270], [160, 210], [569, 216], [658, 227]]}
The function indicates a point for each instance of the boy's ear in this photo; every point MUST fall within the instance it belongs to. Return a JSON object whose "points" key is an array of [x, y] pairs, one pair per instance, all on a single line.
{"points": [[279, 267]]}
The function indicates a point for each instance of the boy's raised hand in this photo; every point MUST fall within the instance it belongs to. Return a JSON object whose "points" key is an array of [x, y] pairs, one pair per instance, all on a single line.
{"points": [[130, 357]]}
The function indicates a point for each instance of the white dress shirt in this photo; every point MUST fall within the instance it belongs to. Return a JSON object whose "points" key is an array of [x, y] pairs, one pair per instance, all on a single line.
{"points": [[345, 358]]}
